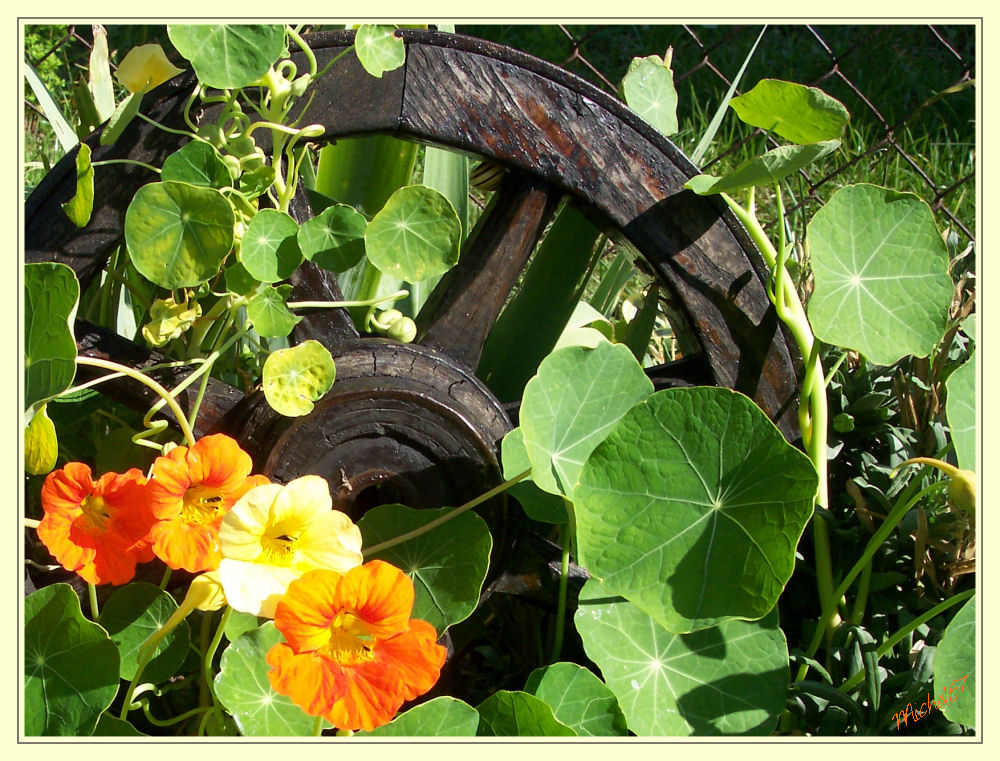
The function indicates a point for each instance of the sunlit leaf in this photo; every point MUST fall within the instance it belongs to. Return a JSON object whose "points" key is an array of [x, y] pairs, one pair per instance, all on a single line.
{"points": [[518, 714], [270, 251], [81, 205], [537, 504], [692, 508], [961, 410], [795, 112], [572, 404], [335, 240], [197, 163], [648, 89], [447, 564], [441, 717], [295, 378], [269, 312], [379, 49], [70, 665], [578, 699], [178, 234], [881, 274], [728, 680], [121, 117], [415, 236], [51, 292], [765, 169], [228, 56], [244, 689], [955, 667], [130, 616]]}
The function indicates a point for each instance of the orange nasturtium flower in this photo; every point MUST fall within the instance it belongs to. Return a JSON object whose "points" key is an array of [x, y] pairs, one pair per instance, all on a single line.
{"points": [[276, 533], [98, 529], [352, 653], [190, 491]]}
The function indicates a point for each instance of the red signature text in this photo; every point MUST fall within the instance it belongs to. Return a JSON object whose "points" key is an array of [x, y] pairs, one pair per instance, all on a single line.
{"points": [[950, 694]]}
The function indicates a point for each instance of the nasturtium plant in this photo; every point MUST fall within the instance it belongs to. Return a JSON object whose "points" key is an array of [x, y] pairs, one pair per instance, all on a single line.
{"points": [[508, 713], [798, 113], [692, 507], [269, 249], [578, 699], [268, 311], [767, 168], [881, 274], [573, 402], [41, 445], [70, 665], [51, 293], [728, 680], [228, 56], [379, 49], [415, 236], [447, 564], [244, 689], [196, 163], [961, 410], [134, 613], [294, 378], [81, 205], [335, 238], [178, 234], [955, 667], [440, 717], [648, 89]]}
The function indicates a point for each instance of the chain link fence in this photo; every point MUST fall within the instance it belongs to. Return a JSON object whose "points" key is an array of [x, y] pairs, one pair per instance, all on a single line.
{"points": [[908, 88]]}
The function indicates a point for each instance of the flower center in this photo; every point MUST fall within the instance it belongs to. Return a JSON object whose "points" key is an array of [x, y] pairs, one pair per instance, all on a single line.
{"points": [[350, 641], [277, 550], [201, 505], [96, 511]]}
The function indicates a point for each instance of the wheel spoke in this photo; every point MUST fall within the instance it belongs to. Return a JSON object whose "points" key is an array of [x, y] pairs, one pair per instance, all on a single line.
{"points": [[461, 310]]}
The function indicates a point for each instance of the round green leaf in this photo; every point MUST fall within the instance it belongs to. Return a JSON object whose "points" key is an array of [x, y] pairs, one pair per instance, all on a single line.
{"points": [[131, 615], [881, 274], [447, 564], [379, 49], [537, 504], [729, 680], [70, 665], [692, 508], [765, 169], [955, 667], [269, 313], [112, 726], [335, 240], [240, 623], [572, 404], [961, 410], [648, 89], [51, 292], [441, 717], [244, 689], [518, 714], [269, 250], [197, 163], [578, 699], [228, 56], [295, 378], [415, 236], [178, 234], [795, 112], [239, 281]]}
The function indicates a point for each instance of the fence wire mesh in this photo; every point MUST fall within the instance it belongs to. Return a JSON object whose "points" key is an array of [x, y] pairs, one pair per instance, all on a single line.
{"points": [[908, 88]]}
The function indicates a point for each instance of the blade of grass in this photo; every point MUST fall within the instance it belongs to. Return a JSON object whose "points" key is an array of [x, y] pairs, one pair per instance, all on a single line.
{"points": [[65, 134]]}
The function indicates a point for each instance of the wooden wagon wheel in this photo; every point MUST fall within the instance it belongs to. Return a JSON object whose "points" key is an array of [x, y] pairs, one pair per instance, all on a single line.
{"points": [[412, 423]]}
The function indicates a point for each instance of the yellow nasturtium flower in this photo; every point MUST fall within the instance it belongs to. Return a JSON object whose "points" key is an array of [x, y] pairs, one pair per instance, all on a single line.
{"points": [[145, 67], [276, 533]]}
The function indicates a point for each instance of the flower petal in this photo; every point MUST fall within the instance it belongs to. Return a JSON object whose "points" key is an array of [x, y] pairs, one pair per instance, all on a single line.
{"points": [[330, 541], [145, 67], [244, 525], [253, 587]]}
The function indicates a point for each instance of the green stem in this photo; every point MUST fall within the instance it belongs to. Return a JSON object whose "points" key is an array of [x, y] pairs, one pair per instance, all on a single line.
{"points": [[446, 517], [175, 720], [166, 578], [144, 165], [898, 637], [317, 730], [193, 135], [557, 638], [30, 523], [337, 304], [210, 653], [304, 47], [861, 599], [147, 381], [92, 596]]}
